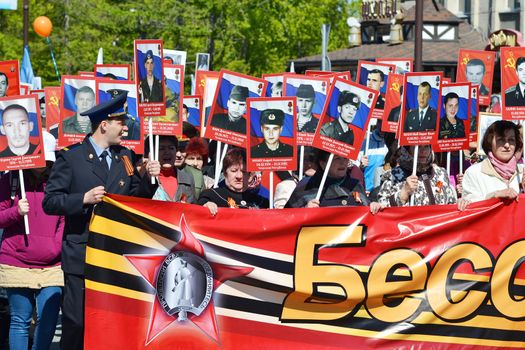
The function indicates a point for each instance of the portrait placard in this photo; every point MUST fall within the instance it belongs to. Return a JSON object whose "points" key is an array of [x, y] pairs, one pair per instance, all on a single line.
{"points": [[484, 121], [170, 123], [9, 78], [454, 121], [392, 109], [477, 68], [271, 124], [319, 73], [202, 62], [21, 145], [421, 106], [207, 86], [275, 84], [474, 113], [175, 56], [375, 76], [52, 98], [345, 118], [77, 95], [311, 95], [227, 122], [113, 71], [403, 65], [512, 60], [194, 106], [25, 88], [149, 78], [109, 89]]}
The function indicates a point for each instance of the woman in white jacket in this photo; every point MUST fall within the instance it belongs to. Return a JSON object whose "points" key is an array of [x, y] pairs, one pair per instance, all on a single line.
{"points": [[498, 176]]}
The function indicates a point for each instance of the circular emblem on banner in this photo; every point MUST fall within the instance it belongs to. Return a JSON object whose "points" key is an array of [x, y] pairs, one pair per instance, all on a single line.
{"points": [[184, 284]]}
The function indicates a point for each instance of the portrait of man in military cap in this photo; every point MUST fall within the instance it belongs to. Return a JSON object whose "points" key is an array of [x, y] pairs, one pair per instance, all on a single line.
{"points": [[340, 129], [236, 105], [79, 124], [150, 87], [306, 121], [271, 121], [133, 132], [515, 95], [17, 127]]}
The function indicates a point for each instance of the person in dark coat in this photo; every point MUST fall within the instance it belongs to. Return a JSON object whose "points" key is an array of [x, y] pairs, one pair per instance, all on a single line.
{"points": [[81, 176], [306, 121], [451, 127], [235, 193], [339, 190]]}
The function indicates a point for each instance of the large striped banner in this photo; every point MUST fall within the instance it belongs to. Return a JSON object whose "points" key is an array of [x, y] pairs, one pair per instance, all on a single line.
{"points": [[165, 275]]}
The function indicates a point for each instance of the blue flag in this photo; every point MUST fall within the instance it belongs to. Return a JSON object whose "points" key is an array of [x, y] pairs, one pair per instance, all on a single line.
{"points": [[26, 72]]}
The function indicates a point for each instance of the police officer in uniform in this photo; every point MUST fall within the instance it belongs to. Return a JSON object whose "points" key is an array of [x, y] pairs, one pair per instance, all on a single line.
{"points": [[80, 177], [272, 121], [132, 122], [515, 95], [340, 129], [236, 104]]}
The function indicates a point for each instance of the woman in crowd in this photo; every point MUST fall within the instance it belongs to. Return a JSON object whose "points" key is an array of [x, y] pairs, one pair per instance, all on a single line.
{"points": [[429, 186], [30, 263], [340, 188], [236, 192], [196, 158], [175, 185], [498, 176]]}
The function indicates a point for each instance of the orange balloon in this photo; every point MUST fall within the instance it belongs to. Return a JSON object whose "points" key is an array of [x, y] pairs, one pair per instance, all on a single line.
{"points": [[43, 26]]}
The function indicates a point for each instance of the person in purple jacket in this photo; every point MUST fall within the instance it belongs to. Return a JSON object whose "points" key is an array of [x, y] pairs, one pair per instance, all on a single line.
{"points": [[30, 263]]}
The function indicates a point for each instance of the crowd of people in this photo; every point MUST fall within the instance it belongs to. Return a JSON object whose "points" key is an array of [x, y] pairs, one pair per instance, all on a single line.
{"points": [[61, 197]]}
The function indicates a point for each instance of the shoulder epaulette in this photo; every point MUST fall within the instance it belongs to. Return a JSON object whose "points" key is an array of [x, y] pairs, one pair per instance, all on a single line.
{"points": [[511, 89]]}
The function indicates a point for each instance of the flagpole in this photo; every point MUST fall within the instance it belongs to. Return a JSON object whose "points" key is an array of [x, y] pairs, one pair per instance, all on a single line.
{"points": [[53, 57]]}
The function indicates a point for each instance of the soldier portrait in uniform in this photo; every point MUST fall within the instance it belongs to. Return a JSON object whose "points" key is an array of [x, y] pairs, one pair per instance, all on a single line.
{"points": [[17, 127], [376, 80], [475, 71], [306, 121], [271, 121], [150, 87], [340, 129], [79, 124], [422, 118], [236, 105], [451, 126], [515, 95], [4, 84]]}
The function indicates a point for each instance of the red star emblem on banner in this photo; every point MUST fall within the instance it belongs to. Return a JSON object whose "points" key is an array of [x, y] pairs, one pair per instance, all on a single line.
{"points": [[148, 266]]}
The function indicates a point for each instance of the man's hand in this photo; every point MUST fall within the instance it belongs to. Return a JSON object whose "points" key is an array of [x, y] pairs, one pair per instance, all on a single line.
{"points": [[23, 206], [364, 162], [94, 195]]}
